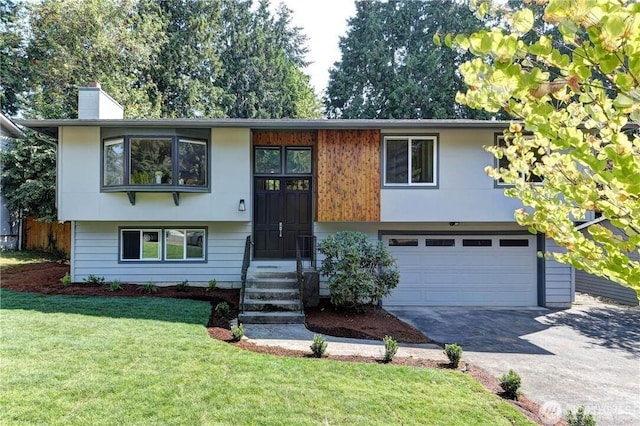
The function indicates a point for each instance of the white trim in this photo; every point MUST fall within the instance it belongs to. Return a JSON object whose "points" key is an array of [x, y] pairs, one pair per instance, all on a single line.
{"points": [[591, 222]]}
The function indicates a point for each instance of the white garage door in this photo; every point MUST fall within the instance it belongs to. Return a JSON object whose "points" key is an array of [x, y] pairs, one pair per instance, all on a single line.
{"points": [[469, 270]]}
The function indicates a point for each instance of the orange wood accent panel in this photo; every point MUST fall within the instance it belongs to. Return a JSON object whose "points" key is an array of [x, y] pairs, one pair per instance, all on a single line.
{"points": [[47, 236], [282, 138], [348, 176]]}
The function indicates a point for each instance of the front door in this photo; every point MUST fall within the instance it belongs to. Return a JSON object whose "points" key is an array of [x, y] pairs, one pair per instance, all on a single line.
{"points": [[282, 212]]}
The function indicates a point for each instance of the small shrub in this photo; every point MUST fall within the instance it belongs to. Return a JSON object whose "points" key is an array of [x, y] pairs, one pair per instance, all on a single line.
{"points": [[454, 353], [360, 272], [390, 348], [148, 288], [212, 285], [319, 346], [183, 286], [222, 308], [510, 383], [66, 280], [237, 331], [581, 418], [115, 285], [93, 279]]}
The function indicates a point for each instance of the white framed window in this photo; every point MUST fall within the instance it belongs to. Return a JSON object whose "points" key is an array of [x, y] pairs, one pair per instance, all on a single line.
{"points": [[503, 163], [410, 161], [162, 244]]}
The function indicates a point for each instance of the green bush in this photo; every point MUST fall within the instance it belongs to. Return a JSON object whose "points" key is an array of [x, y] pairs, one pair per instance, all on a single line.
{"points": [[93, 279], [454, 353], [319, 346], [359, 272], [212, 284], [581, 418], [66, 280], [148, 288], [183, 286], [222, 308], [237, 331], [390, 348], [510, 383], [115, 285]]}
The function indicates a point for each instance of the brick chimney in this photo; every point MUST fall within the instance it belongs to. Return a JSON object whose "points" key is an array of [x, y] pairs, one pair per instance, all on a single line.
{"points": [[96, 104]]}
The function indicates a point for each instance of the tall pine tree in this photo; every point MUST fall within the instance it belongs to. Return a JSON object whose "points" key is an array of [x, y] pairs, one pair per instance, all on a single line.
{"points": [[390, 67]]}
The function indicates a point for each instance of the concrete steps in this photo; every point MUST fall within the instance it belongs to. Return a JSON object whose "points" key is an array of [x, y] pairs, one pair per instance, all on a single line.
{"points": [[272, 294]]}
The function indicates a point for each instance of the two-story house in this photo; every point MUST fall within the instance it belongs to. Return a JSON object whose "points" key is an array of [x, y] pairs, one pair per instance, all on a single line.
{"points": [[174, 199]]}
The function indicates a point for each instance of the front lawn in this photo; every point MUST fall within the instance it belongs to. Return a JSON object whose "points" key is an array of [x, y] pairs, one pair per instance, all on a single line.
{"points": [[83, 360], [9, 258]]}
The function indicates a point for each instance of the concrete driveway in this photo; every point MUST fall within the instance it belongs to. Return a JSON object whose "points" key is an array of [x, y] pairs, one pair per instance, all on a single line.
{"points": [[588, 355]]}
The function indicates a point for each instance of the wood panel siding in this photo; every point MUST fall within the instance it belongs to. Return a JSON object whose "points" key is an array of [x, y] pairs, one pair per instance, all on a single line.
{"points": [[284, 138], [348, 176]]}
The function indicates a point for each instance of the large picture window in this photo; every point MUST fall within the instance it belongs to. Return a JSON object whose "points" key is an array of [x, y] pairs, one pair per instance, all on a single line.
{"points": [[167, 244], [410, 161], [162, 162]]}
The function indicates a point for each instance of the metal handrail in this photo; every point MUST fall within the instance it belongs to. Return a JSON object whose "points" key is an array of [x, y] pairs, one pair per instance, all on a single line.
{"points": [[300, 273], [246, 261]]}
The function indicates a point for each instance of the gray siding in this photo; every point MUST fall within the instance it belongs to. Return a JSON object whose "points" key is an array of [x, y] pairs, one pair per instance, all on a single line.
{"points": [[598, 286], [559, 280], [95, 251]]}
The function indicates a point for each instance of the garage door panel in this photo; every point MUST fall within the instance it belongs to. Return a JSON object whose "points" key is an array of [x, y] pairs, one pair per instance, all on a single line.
{"points": [[460, 275]]}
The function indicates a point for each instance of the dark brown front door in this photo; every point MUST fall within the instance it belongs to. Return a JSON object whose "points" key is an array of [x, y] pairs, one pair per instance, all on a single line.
{"points": [[282, 212]]}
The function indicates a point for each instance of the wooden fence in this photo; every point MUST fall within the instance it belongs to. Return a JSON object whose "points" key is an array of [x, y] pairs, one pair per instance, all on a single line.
{"points": [[47, 236]]}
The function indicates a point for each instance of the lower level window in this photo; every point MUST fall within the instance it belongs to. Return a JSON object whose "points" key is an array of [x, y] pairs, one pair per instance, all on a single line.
{"points": [[168, 244]]}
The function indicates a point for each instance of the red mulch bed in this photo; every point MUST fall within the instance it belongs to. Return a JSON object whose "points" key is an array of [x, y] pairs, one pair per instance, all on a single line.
{"points": [[374, 323]]}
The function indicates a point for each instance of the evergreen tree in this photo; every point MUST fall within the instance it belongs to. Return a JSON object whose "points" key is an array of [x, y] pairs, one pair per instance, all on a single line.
{"points": [[390, 67]]}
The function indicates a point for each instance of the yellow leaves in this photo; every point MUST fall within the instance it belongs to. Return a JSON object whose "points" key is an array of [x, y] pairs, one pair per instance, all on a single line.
{"points": [[522, 20], [555, 86]]}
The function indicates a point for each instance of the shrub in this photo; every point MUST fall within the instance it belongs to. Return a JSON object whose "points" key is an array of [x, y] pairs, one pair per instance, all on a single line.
{"points": [[212, 285], [93, 279], [510, 383], [115, 285], [390, 348], [359, 272], [183, 286], [66, 280], [581, 418], [222, 308], [237, 331], [148, 288], [454, 353], [319, 346]]}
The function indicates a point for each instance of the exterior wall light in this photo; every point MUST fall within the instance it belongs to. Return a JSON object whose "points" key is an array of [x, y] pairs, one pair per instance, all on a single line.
{"points": [[241, 206], [454, 223]]}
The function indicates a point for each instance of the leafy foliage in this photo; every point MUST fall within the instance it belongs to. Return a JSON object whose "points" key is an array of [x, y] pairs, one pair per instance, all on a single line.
{"points": [[579, 105], [580, 418], [66, 280], [115, 285], [93, 279], [359, 272], [222, 308], [390, 67], [318, 346], [454, 353], [390, 348], [237, 332], [510, 382], [28, 177], [148, 288], [183, 286], [213, 283]]}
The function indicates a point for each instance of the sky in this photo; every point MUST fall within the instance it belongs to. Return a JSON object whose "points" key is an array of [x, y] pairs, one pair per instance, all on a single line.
{"points": [[323, 21]]}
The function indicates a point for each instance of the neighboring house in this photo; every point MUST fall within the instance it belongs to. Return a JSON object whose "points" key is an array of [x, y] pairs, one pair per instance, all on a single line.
{"points": [[174, 199], [599, 286], [9, 226]]}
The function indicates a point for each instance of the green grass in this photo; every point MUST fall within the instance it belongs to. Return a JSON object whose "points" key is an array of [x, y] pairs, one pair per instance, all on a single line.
{"points": [[9, 258], [174, 251], [105, 361]]}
